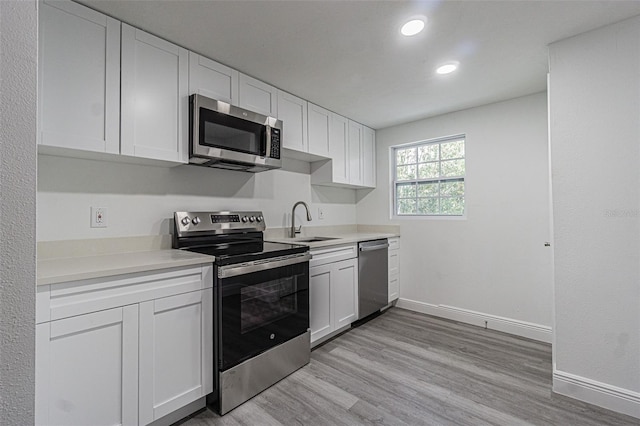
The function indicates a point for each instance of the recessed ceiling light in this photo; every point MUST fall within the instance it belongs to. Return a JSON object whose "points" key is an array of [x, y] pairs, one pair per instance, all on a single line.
{"points": [[447, 68], [412, 27]]}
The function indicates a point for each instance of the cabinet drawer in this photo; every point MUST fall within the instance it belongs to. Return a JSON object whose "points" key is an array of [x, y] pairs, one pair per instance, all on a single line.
{"points": [[84, 296], [394, 243], [394, 263], [394, 287], [323, 256]]}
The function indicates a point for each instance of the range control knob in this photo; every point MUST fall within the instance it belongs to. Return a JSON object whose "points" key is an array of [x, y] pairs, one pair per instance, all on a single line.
{"points": [[196, 220], [252, 219], [185, 220], [245, 219], [259, 218]]}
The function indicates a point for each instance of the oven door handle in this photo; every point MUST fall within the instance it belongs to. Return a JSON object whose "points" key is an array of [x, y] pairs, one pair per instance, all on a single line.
{"points": [[229, 271]]}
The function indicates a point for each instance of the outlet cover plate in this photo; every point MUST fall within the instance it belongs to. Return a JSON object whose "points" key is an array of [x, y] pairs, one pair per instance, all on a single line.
{"points": [[98, 217]]}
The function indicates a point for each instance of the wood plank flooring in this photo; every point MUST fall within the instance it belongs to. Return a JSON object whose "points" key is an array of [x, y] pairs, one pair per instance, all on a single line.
{"points": [[406, 368]]}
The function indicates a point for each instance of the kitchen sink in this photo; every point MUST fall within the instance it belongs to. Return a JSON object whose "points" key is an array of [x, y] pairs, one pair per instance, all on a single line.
{"points": [[315, 239]]}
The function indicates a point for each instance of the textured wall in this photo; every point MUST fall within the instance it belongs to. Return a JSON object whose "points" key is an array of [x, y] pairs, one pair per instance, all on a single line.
{"points": [[595, 156], [494, 262], [18, 61]]}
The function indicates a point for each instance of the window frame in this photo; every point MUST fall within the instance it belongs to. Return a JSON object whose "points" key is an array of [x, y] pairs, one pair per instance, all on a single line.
{"points": [[393, 167]]}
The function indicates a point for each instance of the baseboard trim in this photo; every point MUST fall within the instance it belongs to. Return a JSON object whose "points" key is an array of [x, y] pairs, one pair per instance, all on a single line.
{"points": [[529, 330], [597, 393]]}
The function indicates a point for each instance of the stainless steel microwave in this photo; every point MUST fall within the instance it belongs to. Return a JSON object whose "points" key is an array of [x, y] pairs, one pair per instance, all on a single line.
{"points": [[225, 136]]}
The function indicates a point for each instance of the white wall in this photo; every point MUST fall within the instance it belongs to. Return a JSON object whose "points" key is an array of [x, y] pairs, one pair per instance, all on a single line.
{"points": [[493, 265], [140, 200], [18, 65], [595, 153]]}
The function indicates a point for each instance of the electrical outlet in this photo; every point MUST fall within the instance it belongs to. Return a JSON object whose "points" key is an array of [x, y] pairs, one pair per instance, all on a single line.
{"points": [[320, 213], [98, 217]]}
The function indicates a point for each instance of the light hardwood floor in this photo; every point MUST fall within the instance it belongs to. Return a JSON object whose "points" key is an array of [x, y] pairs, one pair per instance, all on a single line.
{"points": [[405, 368]]}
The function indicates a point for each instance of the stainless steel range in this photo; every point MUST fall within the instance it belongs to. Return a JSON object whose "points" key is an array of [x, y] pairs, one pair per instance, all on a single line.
{"points": [[261, 302]]}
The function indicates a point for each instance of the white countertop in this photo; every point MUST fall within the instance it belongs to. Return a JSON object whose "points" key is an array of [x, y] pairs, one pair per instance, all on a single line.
{"points": [[109, 257], [338, 239], [57, 270]]}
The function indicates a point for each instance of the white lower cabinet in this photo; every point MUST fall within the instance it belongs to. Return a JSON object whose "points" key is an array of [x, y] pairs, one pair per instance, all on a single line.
{"points": [[126, 350], [176, 336], [320, 318], [87, 369], [394, 269], [333, 288], [345, 286]]}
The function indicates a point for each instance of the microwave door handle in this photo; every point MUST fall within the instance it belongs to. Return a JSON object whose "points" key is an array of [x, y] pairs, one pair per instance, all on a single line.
{"points": [[267, 145]]}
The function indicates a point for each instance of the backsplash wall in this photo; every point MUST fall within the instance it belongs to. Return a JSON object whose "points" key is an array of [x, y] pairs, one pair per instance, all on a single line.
{"points": [[140, 199]]}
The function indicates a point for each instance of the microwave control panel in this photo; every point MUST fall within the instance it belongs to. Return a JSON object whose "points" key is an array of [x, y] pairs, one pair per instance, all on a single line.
{"points": [[275, 143]]}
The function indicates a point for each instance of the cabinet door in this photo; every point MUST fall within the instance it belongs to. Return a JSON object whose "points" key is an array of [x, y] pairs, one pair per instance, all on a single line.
{"points": [[257, 96], [213, 80], [394, 274], [344, 284], [319, 123], [394, 269], [176, 356], [339, 144], [320, 318], [293, 113], [87, 369], [355, 153], [369, 157], [394, 287], [79, 78], [155, 80]]}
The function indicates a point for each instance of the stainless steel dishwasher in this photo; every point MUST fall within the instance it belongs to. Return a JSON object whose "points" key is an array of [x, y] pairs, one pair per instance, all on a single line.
{"points": [[373, 278]]}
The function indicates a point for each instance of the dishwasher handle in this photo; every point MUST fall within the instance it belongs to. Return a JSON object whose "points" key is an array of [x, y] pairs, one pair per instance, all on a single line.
{"points": [[364, 248]]}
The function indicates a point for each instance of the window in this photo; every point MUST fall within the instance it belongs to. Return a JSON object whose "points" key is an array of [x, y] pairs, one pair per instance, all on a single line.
{"points": [[429, 178]]}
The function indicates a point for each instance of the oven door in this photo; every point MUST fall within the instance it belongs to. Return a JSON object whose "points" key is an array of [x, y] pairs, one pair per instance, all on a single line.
{"points": [[261, 305]]}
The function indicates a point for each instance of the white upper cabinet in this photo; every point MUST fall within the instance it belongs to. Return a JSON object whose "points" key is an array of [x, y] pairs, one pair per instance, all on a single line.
{"points": [[293, 113], [79, 78], [369, 157], [319, 123], [124, 91], [257, 96], [355, 153], [339, 148], [352, 156], [155, 79], [334, 172], [213, 80]]}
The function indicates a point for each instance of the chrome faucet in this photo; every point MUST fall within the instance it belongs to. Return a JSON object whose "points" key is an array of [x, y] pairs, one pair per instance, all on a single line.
{"points": [[295, 231]]}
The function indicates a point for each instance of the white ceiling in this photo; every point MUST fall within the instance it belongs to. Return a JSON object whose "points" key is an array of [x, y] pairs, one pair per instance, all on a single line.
{"points": [[348, 56]]}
